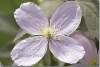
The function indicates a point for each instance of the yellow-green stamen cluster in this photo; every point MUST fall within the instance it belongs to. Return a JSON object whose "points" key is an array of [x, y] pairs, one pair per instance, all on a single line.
{"points": [[48, 32]]}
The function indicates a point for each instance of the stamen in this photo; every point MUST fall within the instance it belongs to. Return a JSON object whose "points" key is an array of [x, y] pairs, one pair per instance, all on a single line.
{"points": [[48, 32]]}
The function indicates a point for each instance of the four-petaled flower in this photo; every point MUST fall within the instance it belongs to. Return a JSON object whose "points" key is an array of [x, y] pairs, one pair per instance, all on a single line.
{"points": [[46, 33]]}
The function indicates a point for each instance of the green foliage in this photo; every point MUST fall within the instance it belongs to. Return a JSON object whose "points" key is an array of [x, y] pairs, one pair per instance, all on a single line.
{"points": [[90, 14]]}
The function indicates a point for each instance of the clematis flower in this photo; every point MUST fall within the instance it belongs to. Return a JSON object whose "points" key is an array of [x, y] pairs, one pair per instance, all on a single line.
{"points": [[52, 33]]}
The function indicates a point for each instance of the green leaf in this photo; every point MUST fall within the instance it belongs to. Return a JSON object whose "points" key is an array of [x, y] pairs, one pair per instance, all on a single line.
{"points": [[7, 7], [83, 27], [90, 15], [6, 26], [7, 31]]}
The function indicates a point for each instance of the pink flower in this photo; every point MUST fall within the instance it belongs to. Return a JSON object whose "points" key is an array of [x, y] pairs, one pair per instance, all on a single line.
{"points": [[52, 33], [90, 57]]}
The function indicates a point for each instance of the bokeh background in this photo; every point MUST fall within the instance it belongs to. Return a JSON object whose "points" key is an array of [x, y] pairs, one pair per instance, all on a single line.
{"points": [[9, 29]]}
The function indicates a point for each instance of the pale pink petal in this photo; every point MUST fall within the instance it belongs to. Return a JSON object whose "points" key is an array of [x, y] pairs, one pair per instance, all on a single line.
{"points": [[66, 49], [89, 46], [66, 18], [30, 18], [29, 51]]}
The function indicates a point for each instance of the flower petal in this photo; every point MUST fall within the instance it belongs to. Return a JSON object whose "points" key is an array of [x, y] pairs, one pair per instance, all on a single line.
{"points": [[66, 49], [89, 46], [30, 18], [67, 18], [29, 51]]}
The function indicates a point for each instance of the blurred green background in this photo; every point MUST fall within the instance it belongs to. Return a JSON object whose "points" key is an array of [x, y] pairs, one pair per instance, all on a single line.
{"points": [[9, 29]]}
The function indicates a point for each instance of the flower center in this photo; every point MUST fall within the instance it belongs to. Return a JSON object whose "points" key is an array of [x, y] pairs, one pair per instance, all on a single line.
{"points": [[48, 32]]}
